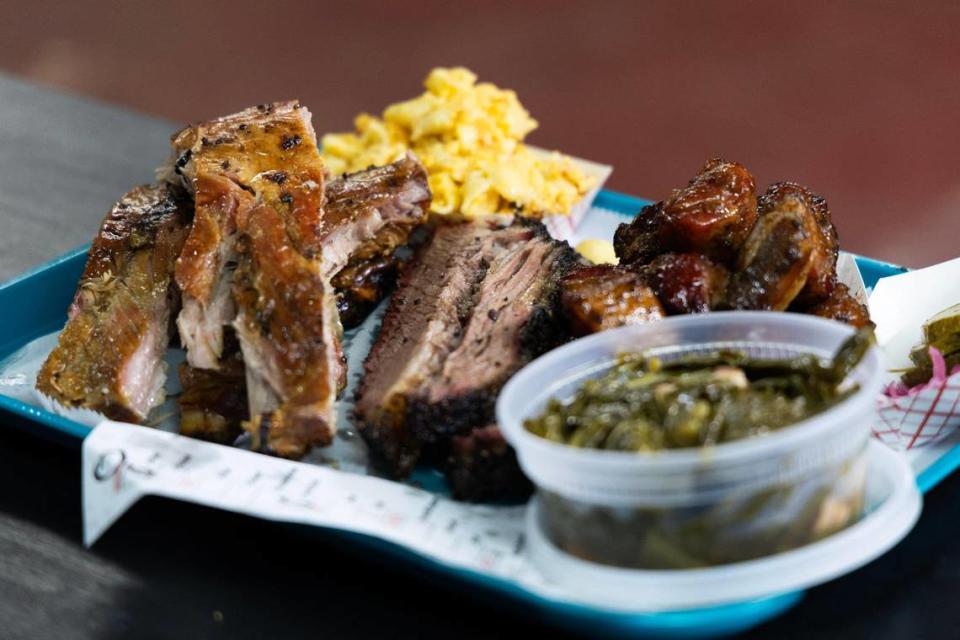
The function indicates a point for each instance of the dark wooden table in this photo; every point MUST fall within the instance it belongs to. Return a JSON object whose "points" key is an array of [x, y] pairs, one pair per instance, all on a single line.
{"points": [[169, 570]]}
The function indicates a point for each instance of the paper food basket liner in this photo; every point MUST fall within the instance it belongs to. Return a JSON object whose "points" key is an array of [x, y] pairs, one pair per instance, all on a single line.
{"points": [[564, 227]]}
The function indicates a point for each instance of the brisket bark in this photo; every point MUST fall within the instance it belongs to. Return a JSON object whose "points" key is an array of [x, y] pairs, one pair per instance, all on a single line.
{"points": [[482, 466]]}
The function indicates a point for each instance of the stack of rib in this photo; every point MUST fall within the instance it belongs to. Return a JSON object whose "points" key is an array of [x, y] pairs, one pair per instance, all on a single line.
{"points": [[250, 276]]}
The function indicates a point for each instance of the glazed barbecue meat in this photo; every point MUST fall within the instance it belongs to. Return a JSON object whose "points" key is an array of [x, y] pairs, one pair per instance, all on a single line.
{"points": [[258, 183], [253, 258], [376, 210], [268, 241], [370, 213], [687, 282], [290, 337], [209, 161], [791, 253], [474, 306], [269, 153], [213, 403], [365, 281], [775, 261], [601, 297], [712, 215], [842, 306], [826, 246], [109, 357]]}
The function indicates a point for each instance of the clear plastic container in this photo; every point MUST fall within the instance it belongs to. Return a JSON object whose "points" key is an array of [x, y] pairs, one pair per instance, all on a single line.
{"points": [[688, 508]]}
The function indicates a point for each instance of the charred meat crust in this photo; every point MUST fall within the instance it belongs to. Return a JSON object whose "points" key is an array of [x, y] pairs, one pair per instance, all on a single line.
{"points": [[516, 318], [482, 466], [636, 242]]}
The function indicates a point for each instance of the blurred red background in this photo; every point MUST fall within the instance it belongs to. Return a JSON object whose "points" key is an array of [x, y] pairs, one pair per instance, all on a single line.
{"points": [[857, 100]]}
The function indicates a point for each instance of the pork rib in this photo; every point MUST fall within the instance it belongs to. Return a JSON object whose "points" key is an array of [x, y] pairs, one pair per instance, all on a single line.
{"points": [[290, 337], [109, 357], [264, 153]]}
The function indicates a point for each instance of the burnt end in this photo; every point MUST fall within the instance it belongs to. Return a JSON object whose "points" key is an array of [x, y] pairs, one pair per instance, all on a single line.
{"points": [[822, 279], [687, 282], [840, 306], [482, 466], [605, 296], [636, 242], [713, 214]]}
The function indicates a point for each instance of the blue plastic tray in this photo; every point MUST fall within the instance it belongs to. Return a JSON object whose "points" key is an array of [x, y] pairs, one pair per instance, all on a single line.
{"points": [[35, 304]]}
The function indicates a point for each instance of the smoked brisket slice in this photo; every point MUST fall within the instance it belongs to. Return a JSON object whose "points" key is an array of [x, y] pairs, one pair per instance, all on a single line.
{"points": [[474, 306], [109, 357], [516, 318], [422, 325]]}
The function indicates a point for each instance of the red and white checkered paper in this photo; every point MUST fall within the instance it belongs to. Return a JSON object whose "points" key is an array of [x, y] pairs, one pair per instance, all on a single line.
{"points": [[922, 417], [900, 305]]}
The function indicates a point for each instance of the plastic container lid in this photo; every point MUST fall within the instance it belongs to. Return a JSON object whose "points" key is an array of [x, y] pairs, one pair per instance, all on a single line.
{"points": [[688, 476], [893, 503]]}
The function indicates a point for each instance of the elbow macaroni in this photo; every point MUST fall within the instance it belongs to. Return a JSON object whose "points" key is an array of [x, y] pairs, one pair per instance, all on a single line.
{"points": [[469, 136]]}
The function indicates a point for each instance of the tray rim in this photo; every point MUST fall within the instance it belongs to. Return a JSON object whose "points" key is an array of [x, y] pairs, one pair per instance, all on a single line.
{"points": [[721, 619]]}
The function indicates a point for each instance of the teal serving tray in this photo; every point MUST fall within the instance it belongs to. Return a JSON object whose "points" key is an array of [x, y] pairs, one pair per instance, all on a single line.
{"points": [[35, 304]]}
